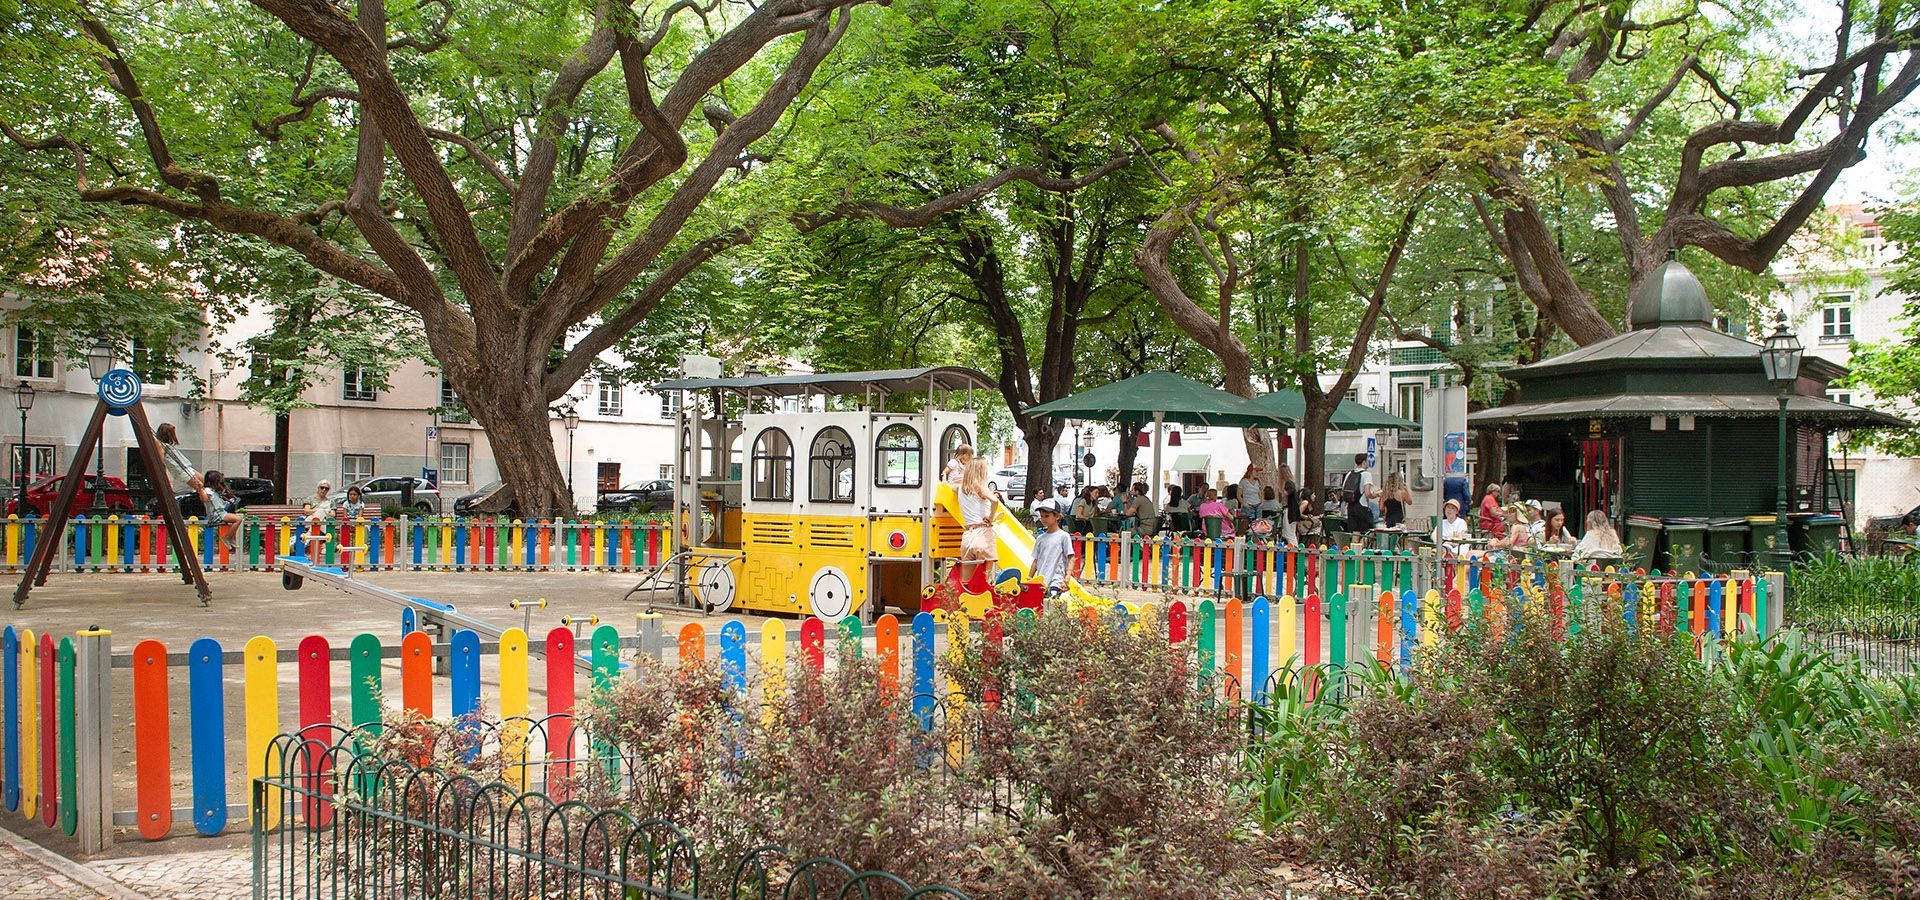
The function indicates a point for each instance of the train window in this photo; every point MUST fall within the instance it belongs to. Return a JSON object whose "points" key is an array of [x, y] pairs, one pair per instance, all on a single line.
{"points": [[951, 439], [897, 456], [830, 475], [772, 466]]}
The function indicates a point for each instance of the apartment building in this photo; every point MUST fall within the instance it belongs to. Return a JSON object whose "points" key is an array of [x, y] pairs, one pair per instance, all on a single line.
{"points": [[1836, 292], [357, 424]]}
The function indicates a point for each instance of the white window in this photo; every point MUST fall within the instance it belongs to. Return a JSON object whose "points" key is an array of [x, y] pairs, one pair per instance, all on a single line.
{"points": [[669, 404], [357, 383], [1194, 430], [38, 462], [449, 400], [613, 401], [1841, 397], [1353, 395], [355, 467], [453, 463], [1836, 319], [32, 354], [666, 471], [152, 364], [1407, 395]]}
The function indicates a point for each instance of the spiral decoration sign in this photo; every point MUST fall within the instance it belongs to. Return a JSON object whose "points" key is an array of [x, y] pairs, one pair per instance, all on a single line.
{"points": [[120, 389]]}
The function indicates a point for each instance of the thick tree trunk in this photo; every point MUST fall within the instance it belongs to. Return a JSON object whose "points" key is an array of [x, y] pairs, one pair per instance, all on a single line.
{"points": [[1042, 436], [1129, 456], [519, 429], [282, 452], [1313, 443]]}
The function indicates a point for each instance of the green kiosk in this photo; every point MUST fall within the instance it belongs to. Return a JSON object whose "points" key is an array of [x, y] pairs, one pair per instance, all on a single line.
{"points": [[1673, 429]]}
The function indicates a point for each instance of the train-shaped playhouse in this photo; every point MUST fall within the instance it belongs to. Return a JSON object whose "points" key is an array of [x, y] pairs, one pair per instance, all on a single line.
{"points": [[820, 493]]}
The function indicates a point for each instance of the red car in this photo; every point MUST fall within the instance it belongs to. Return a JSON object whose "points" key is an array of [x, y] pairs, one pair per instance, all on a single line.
{"points": [[42, 493]]}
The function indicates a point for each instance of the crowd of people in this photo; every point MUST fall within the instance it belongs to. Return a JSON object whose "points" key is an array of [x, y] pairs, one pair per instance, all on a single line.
{"points": [[1280, 512]]}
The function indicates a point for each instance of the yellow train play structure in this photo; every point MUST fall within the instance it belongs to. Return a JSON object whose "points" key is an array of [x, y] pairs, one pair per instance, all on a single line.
{"points": [[820, 494]]}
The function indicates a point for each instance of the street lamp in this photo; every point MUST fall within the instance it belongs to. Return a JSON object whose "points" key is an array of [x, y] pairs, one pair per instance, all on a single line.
{"points": [[1083, 442], [22, 398], [1780, 359], [572, 420], [99, 363]]}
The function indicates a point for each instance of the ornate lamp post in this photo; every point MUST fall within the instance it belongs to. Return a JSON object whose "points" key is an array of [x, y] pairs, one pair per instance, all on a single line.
{"points": [[99, 363], [1780, 359], [572, 420], [22, 398]]}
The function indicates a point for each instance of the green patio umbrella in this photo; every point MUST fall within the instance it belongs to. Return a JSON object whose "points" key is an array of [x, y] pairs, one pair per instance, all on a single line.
{"points": [[1350, 415], [1162, 397], [1158, 398]]}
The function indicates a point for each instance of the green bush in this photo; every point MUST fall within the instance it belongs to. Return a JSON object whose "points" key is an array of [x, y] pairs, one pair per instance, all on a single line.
{"points": [[1523, 762]]}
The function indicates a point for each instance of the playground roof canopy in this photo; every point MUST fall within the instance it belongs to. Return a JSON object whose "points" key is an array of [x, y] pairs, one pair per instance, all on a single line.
{"points": [[1165, 396], [886, 381], [1350, 415]]}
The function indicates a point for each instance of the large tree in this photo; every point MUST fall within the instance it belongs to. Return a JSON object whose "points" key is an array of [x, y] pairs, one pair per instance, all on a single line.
{"points": [[1318, 133], [527, 180], [1697, 129]]}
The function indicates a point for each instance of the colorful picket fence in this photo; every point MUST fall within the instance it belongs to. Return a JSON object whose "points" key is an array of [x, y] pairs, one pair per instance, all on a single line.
{"points": [[139, 544], [56, 694]]}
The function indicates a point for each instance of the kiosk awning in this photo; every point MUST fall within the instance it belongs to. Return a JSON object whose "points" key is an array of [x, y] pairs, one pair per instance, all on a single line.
{"points": [[1191, 462], [1813, 410]]}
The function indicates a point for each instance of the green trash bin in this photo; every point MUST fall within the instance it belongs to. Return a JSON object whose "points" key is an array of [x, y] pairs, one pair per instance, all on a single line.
{"points": [[1761, 543], [1643, 542], [1727, 543], [1686, 544], [1816, 535]]}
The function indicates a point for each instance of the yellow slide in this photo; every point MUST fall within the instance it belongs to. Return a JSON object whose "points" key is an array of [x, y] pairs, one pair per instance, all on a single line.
{"points": [[1013, 543]]}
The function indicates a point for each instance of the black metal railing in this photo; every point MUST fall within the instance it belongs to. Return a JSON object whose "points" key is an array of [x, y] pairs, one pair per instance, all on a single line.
{"points": [[332, 819]]}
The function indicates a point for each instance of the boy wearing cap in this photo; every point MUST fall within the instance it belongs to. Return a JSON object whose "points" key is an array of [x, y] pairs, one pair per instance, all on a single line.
{"points": [[1052, 550]]}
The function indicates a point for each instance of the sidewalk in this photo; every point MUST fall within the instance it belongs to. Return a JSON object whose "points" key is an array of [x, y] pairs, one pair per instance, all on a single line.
{"points": [[27, 871]]}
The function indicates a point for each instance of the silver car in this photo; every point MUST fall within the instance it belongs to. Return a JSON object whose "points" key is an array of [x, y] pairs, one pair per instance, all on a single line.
{"points": [[414, 496]]}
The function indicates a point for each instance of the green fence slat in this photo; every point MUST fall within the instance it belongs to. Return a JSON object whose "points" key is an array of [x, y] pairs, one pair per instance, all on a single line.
{"points": [[606, 656], [69, 743], [1207, 615]]}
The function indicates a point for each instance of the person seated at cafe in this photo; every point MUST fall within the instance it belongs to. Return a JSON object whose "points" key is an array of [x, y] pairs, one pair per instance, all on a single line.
{"points": [[1452, 530], [1307, 524], [1139, 513], [1600, 541], [1212, 508], [1359, 515], [1553, 530], [1517, 538], [1493, 520], [1536, 519]]}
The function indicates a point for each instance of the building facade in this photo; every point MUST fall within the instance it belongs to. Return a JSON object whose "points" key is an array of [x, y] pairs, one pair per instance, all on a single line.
{"points": [[355, 424], [1835, 291]]}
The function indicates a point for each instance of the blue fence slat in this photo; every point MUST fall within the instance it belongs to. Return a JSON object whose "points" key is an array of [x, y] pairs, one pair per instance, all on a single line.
{"points": [[206, 705], [923, 669]]}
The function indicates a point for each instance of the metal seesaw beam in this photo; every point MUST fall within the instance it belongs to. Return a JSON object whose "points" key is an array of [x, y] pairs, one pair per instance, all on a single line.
{"points": [[295, 568]]}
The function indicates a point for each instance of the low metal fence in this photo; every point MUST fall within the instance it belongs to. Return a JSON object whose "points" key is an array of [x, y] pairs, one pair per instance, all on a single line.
{"points": [[336, 820], [1883, 635]]}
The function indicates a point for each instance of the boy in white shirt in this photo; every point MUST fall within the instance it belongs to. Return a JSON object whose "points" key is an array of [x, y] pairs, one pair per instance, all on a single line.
{"points": [[1052, 550]]}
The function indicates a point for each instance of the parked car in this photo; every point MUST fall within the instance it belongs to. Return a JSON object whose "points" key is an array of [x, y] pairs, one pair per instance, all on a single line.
{"points": [[1885, 524], [485, 501], [247, 491], [42, 493], [1011, 481], [414, 496], [639, 497]]}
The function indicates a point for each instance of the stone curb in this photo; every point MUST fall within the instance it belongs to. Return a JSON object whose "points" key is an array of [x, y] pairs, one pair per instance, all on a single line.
{"points": [[78, 871]]}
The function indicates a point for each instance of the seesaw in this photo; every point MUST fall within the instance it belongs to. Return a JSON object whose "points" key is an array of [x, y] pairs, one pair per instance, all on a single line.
{"points": [[443, 618]]}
